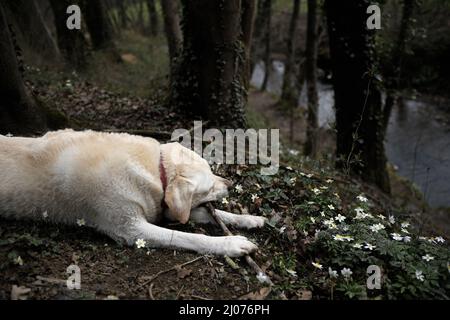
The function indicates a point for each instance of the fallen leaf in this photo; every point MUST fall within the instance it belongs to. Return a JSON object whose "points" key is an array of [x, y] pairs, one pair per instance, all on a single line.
{"points": [[304, 295], [183, 272]]}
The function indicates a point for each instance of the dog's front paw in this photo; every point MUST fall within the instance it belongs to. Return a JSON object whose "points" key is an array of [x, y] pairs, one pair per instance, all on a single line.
{"points": [[236, 246], [251, 222]]}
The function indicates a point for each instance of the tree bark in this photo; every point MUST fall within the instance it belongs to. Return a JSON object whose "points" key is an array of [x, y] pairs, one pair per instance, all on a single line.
{"points": [[153, 17], [393, 74], [360, 135], [210, 79], [71, 42], [311, 80], [30, 21], [267, 8], [288, 94], [172, 28], [19, 113], [98, 24], [248, 22]]}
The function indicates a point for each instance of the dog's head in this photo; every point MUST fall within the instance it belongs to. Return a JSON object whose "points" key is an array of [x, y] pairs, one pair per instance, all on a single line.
{"points": [[190, 182]]}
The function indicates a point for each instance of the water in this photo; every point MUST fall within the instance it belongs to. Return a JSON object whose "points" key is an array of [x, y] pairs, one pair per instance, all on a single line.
{"points": [[417, 144]]}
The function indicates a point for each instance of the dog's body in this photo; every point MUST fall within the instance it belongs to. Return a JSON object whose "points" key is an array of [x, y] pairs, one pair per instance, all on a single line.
{"points": [[118, 184]]}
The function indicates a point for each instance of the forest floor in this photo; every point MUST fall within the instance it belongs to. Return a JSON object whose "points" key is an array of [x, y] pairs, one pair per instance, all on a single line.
{"points": [[319, 219]]}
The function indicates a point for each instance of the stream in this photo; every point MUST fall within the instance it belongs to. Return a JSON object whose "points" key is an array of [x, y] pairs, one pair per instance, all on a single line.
{"points": [[417, 142]]}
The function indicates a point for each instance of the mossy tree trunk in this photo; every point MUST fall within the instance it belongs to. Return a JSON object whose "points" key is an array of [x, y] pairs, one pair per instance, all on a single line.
{"points": [[172, 28], [19, 113], [28, 17], [360, 136], [267, 9], [210, 79], [311, 80], [98, 24], [153, 18], [289, 95], [71, 42]]}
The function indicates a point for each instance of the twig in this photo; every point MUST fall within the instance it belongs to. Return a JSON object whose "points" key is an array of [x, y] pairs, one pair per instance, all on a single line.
{"points": [[150, 291], [153, 277], [200, 298], [259, 272]]}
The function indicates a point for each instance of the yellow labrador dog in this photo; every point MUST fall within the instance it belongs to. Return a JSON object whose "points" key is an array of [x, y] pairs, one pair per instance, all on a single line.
{"points": [[119, 184]]}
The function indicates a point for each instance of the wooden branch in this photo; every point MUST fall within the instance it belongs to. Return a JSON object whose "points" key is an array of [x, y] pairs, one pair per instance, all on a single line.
{"points": [[261, 275]]}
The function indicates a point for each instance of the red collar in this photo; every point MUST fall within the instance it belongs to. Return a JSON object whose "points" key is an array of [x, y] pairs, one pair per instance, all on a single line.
{"points": [[162, 174]]}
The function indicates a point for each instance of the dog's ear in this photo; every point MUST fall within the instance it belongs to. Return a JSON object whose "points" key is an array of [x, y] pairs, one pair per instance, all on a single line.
{"points": [[178, 198]]}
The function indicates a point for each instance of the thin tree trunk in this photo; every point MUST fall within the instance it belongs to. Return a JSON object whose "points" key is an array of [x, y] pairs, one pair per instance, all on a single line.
{"points": [[153, 17], [71, 42], [288, 93], [19, 113], [172, 28], [98, 24], [360, 135], [311, 80], [248, 21], [32, 26], [210, 78], [267, 42], [394, 72]]}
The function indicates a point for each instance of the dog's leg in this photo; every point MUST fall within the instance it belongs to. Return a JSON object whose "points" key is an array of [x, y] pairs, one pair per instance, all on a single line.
{"points": [[201, 215], [232, 246]]}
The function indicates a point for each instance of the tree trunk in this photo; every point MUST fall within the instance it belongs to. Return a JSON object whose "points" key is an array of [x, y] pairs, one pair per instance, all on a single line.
{"points": [[393, 74], [248, 21], [288, 94], [71, 42], [311, 80], [98, 24], [28, 18], [210, 78], [19, 113], [153, 17], [360, 135], [172, 28], [267, 42]]}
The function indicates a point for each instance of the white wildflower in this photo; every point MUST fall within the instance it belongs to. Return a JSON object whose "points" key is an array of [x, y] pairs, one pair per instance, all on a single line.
{"points": [[357, 245], [376, 227], [331, 207], [346, 272], [391, 219], [312, 219], [405, 224], [238, 188], [140, 243], [224, 201], [407, 239], [362, 198], [405, 231], [396, 237], [317, 265], [316, 191], [292, 272], [18, 261], [419, 275], [81, 222], [329, 181], [439, 239], [427, 257], [254, 197], [332, 273], [340, 218], [293, 180], [45, 214]]}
